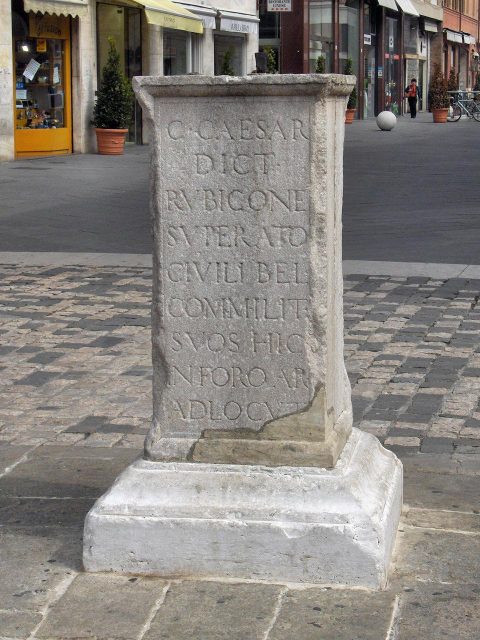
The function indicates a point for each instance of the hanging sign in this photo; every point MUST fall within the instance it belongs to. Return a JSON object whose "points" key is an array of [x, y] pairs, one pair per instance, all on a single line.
{"points": [[367, 38], [279, 6]]}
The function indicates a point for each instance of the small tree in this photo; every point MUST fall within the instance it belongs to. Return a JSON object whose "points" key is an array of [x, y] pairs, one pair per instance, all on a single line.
{"points": [[320, 66], [439, 98], [271, 59], [227, 68], [352, 99], [452, 80], [114, 106]]}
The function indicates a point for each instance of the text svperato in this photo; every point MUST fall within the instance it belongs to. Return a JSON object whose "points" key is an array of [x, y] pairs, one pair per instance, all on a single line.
{"points": [[290, 130]]}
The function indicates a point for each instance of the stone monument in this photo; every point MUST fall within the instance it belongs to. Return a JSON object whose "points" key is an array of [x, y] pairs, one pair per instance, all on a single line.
{"points": [[251, 467]]}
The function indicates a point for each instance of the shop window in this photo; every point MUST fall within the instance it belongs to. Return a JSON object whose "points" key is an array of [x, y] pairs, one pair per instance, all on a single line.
{"points": [[269, 27], [369, 61], [393, 91], [349, 33], [174, 52], [180, 52], [321, 34], [410, 34], [233, 48], [40, 83]]}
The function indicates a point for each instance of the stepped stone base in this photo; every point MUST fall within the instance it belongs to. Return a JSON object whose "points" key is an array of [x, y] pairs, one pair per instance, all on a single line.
{"points": [[282, 524]]}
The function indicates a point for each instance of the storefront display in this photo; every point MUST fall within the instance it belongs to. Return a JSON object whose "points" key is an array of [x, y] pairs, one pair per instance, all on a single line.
{"points": [[42, 87]]}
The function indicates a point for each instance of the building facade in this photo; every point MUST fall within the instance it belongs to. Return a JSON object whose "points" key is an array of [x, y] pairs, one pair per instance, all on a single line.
{"points": [[52, 53], [388, 41], [461, 40]]}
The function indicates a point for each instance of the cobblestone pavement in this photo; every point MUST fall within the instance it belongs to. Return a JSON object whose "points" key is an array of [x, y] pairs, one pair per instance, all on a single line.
{"points": [[75, 358], [75, 404]]}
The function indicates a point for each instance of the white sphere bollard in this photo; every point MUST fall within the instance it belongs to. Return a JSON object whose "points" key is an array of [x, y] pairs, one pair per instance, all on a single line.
{"points": [[386, 120]]}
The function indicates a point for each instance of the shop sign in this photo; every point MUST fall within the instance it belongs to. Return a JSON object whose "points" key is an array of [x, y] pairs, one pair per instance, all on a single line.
{"points": [[238, 26], [367, 38], [45, 26], [279, 5]]}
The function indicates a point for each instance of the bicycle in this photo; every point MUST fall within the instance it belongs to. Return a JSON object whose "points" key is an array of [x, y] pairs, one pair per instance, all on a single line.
{"points": [[463, 102]]}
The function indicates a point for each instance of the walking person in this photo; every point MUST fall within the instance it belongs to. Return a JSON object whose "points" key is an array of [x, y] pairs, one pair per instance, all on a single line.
{"points": [[412, 91]]}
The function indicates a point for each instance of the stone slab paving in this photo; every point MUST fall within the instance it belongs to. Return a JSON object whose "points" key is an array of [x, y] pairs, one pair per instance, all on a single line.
{"points": [[75, 404]]}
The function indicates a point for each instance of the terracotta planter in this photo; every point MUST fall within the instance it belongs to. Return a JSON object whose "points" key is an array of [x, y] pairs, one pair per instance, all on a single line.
{"points": [[440, 115], [349, 115], [111, 142]]}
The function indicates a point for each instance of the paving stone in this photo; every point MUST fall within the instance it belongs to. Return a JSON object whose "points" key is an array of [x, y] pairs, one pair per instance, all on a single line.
{"points": [[90, 424], [37, 379], [18, 624], [439, 491], [10, 454], [46, 357], [106, 342], [34, 561], [316, 614], [437, 556], [29, 512], [434, 611], [65, 472], [438, 445], [442, 519], [102, 608], [216, 611]]}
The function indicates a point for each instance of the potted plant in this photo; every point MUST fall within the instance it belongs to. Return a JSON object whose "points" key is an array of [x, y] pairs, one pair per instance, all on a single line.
{"points": [[453, 80], [271, 60], [439, 98], [320, 66], [113, 109], [227, 67], [352, 99]]}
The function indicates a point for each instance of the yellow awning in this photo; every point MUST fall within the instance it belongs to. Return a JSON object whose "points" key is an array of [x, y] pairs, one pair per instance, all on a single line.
{"points": [[166, 13], [54, 7]]}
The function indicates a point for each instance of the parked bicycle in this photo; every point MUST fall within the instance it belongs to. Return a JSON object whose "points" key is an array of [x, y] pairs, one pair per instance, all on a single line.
{"points": [[464, 103]]}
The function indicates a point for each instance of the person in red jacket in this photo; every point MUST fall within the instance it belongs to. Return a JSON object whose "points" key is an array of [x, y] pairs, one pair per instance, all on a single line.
{"points": [[412, 91]]}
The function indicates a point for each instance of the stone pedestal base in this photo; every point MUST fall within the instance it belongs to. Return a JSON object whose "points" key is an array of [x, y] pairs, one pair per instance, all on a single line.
{"points": [[282, 524]]}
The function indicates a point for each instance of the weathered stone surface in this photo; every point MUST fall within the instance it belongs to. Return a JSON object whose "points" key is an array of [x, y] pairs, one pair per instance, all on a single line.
{"points": [[102, 607], [247, 302], [216, 611], [182, 519], [316, 614], [430, 611]]}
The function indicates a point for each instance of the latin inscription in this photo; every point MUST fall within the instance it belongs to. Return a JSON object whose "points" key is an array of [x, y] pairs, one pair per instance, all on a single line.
{"points": [[234, 272]]}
